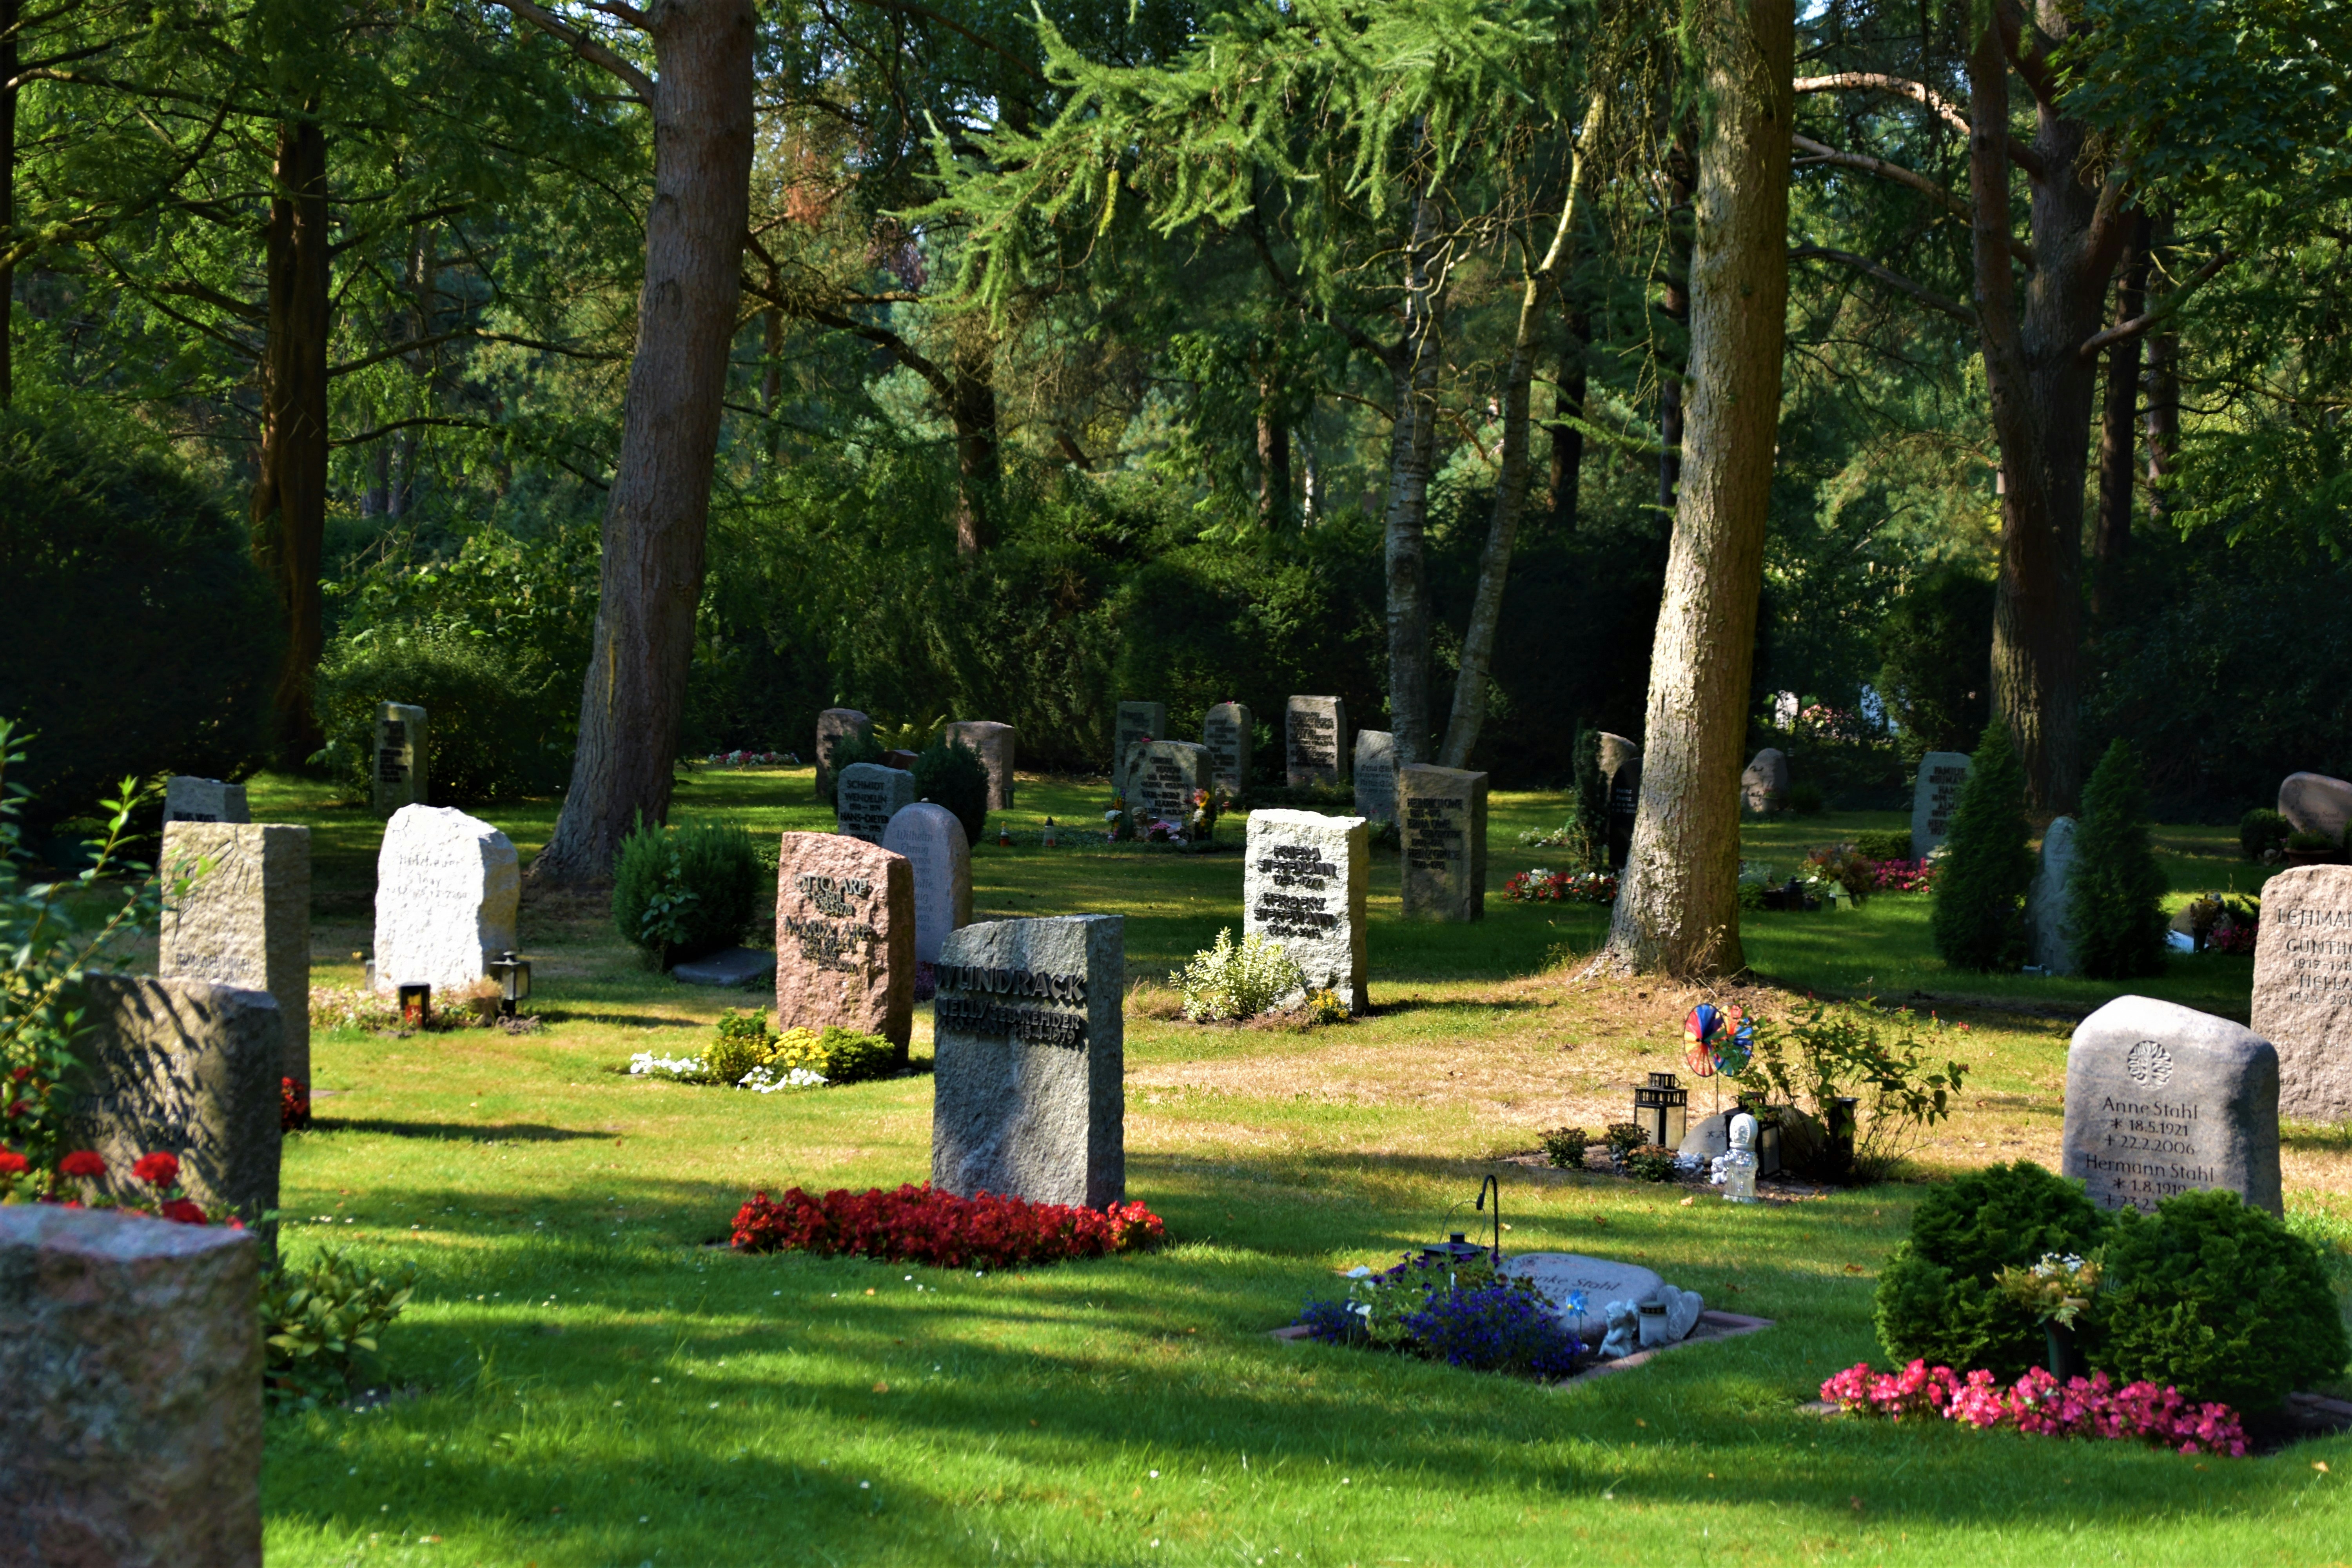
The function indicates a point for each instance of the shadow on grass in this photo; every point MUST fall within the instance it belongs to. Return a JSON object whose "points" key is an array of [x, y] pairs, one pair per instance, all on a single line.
{"points": [[455, 1131]]}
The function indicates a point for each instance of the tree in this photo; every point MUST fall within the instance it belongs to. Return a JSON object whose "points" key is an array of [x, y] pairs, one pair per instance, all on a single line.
{"points": [[2116, 890], [1678, 907], [1979, 917]]}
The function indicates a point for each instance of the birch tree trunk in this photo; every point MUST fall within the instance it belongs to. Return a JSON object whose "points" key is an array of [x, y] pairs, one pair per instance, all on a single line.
{"points": [[1678, 907], [656, 515], [1414, 366]]}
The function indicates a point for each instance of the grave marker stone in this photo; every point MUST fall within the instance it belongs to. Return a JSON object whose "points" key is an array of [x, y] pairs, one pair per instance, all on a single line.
{"points": [[446, 890], [1616, 751], [2303, 988], [1162, 777], [247, 921], [399, 771], [845, 936], [130, 1365], [992, 743], [2313, 803], [189, 799], [190, 1068], [1227, 732], [1765, 785], [1934, 794], [2161, 1098], [2049, 911], [1315, 742], [1624, 800], [867, 796], [831, 726], [1303, 885], [939, 860], [1562, 1276], [1441, 821], [1376, 778], [1029, 1099], [1136, 723]]}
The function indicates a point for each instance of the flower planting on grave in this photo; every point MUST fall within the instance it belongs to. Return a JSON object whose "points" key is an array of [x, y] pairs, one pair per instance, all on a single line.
{"points": [[1236, 979], [1544, 886], [1459, 1311], [72, 1180], [293, 1105], [2038, 1403], [748, 1053], [922, 1225], [751, 760]]}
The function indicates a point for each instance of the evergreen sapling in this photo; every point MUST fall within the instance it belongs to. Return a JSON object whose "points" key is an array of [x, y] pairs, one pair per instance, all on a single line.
{"points": [[1979, 914], [2117, 889]]}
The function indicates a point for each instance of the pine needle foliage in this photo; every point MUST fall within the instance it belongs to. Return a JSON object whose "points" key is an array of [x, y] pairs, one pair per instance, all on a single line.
{"points": [[1979, 915], [2117, 889]]}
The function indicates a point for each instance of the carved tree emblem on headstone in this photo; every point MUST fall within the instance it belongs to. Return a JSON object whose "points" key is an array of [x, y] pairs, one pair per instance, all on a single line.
{"points": [[2149, 1064]]}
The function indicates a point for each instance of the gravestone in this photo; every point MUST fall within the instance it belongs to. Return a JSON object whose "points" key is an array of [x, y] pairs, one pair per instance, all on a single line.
{"points": [[1441, 821], [845, 936], [867, 796], [2161, 1098], [1163, 776], [992, 743], [247, 921], [1136, 723], [131, 1364], [1935, 793], [1227, 732], [831, 726], [188, 799], [1376, 779], [902, 760], [1303, 885], [2313, 803], [1765, 785], [2303, 988], [2049, 912], [1562, 1276], [1616, 752], [188, 1068], [446, 889], [940, 861], [1624, 800], [399, 770], [1028, 1095], [1315, 742]]}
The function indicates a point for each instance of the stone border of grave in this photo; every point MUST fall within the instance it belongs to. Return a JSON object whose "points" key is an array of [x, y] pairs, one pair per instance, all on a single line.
{"points": [[1713, 1327]]}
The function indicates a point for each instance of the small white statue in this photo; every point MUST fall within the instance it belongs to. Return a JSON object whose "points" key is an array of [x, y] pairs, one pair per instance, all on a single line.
{"points": [[1624, 1326], [1739, 1164]]}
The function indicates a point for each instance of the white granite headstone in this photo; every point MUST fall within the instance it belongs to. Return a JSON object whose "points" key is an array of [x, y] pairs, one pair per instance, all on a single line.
{"points": [[932, 840], [446, 889], [1302, 886]]}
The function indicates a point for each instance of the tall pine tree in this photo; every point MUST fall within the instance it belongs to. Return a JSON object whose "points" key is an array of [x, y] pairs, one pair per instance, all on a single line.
{"points": [[1979, 915], [2118, 889]]}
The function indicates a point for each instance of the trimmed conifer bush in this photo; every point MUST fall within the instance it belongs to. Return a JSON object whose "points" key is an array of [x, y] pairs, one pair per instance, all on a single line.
{"points": [[681, 892], [1979, 914], [949, 774], [2117, 888]]}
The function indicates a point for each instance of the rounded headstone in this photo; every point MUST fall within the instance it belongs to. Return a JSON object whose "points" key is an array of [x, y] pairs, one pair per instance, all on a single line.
{"points": [[2313, 803], [2049, 905], [939, 857], [1600, 1280], [2303, 988], [1764, 786], [2161, 1098]]}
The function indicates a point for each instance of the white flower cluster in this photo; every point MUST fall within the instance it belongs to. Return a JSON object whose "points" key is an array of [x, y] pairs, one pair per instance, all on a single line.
{"points": [[765, 1079], [645, 1064]]}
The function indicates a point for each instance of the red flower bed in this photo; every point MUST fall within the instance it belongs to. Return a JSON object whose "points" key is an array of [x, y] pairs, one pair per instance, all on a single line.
{"points": [[919, 1225], [293, 1105]]}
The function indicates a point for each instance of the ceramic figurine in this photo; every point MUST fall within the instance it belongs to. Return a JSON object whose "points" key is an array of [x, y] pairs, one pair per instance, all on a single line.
{"points": [[1624, 1320], [1739, 1164]]}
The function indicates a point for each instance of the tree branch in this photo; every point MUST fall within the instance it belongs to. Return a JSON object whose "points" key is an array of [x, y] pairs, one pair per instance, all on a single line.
{"points": [[586, 47], [2034, 65], [380, 431], [1950, 201], [908, 8], [1919, 92], [2123, 331], [1893, 279]]}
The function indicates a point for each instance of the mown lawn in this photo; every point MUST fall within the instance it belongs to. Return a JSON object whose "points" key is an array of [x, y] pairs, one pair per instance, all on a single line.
{"points": [[583, 1380]]}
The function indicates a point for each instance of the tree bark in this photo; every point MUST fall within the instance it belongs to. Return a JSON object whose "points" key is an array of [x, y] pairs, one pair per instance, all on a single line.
{"points": [[289, 496], [1414, 367], [2163, 416], [1678, 907], [1674, 362], [1566, 440], [2119, 425], [972, 411], [1273, 465], [658, 513], [1469, 714], [11, 17]]}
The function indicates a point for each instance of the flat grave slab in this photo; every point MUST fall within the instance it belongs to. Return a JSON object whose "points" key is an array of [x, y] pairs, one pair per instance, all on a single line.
{"points": [[728, 966]]}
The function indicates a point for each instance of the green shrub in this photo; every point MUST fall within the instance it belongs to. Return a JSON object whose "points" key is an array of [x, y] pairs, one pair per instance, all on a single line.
{"points": [[1236, 981], [1650, 1163], [681, 892], [1979, 917], [319, 1324], [1590, 804], [1863, 1052], [1884, 844], [2262, 833], [746, 1041], [2306, 843], [482, 742], [842, 1056], [2219, 1299], [1805, 798], [1565, 1147], [952, 776], [2117, 888], [1937, 1296], [1624, 1138]]}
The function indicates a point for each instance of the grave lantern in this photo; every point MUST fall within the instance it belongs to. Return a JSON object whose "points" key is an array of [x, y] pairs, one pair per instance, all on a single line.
{"points": [[1663, 1109], [512, 972], [415, 1005]]}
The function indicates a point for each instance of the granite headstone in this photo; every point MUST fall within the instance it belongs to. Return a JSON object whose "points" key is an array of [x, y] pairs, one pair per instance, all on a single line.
{"points": [[1935, 793], [190, 799], [845, 936], [1764, 786], [1376, 779], [1442, 823], [1315, 742], [1616, 752], [1302, 886], [2161, 1100], [1624, 799], [1162, 777], [939, 859], [831, 726], [2303, 988], [1227, 732], [992, 743], [1565, 1276], [1029, 1099], [2049, 911], [1136, 723], [446, 890], [245, 919], [867, 795], [398, 775], [2313, 803]]}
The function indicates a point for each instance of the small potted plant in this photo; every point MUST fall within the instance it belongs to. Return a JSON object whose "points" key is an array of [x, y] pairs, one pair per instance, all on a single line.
{"points": [[2313, 849]]}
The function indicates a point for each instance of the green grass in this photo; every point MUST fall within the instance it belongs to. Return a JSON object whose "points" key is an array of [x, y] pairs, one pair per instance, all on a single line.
{"points": [[586, 1381]]}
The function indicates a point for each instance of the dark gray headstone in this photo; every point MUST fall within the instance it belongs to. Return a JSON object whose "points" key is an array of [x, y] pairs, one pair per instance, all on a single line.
{"points": [[2303, 988], [1376, 778], [1442, 823], [1028, 1095], [1934, 794], [2049, 911], [2161, 1100], [831, 726], [398, 766], [1227, 732], [246, 919], [1162, 778], [992, 743], [1624, 805], [867, 796], [1136, 723], [1302, 886], [190, 799], [1315, 742], [2313, 803]]}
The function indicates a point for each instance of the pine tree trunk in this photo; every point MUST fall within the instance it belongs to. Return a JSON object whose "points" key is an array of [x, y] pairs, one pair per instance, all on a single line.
{"points": [[2119, 425], [1272, 468], [1678, 907], [289, 496], [1674, 355], [1567, 441], [973, 411], [659, 508], [1414, 368]]}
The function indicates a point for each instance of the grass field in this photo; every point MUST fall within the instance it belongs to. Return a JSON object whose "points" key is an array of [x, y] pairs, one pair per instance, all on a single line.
{"points": [[583, 1380]]}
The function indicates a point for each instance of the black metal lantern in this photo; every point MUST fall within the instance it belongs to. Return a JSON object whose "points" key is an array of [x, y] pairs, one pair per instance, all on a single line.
{"points": [[415, 1005], [1841, 1136], [1663, 1109], [1456, 1249], [512, 972]]}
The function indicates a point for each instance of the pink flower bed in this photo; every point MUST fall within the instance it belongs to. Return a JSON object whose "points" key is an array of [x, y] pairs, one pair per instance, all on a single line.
{"points": [[1903, 876], [2080, 1407]]}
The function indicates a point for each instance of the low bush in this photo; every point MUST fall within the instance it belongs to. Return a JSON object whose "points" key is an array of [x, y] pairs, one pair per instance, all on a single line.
{"points": [[1650, 1163], [920, 1225], [1542, 885], [1624, 1138], [1888, 844], [319, 1323], [1979, 921], [681, 892], [1861, 1052], [1565, 1147], [2306, 843], [949, 774], [1230, 981], [2261, 834], [748, 1053], [2115, 892]]}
